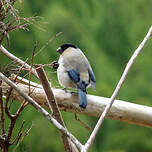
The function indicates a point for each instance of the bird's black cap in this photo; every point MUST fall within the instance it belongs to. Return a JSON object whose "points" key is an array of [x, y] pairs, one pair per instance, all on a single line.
{"points": [[65, 46]]}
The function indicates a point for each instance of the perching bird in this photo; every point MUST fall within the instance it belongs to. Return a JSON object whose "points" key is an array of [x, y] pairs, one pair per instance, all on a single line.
{"points": [[74, 71]]}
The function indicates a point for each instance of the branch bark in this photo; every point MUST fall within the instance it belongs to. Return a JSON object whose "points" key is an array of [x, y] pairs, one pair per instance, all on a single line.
{"points": [[120, 110], [116, 91], [68, 146], [2, 110], [41, 110], [17, 60]]}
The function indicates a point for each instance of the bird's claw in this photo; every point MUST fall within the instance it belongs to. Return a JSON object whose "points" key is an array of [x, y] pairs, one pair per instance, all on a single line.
{"points": [[55, 64]]}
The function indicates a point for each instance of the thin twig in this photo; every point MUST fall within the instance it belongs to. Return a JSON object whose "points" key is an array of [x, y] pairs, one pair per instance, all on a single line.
{"points": [[31, 65], [17, 60], [2, 111], [6, 104], [20, 69], [116, 91], [22, 106], [49, 41], [41, 110], [52, 104], [12, 117], [7, 108], [1, 107], [16, 140], [22, 136], [10, 129], [82, 123]]}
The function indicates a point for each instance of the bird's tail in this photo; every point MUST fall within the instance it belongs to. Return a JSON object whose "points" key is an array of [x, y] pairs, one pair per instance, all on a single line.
{"points": [[82, 98]]}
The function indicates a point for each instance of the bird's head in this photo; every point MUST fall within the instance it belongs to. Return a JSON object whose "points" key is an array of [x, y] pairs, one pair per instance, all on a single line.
{"points": [[64, 47]]}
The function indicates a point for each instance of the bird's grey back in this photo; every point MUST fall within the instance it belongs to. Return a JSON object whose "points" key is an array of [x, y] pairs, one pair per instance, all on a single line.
{"points": [[75, 59]]}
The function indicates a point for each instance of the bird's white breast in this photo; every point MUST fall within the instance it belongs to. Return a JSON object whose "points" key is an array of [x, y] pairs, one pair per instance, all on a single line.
{"points": [[63, 77]]}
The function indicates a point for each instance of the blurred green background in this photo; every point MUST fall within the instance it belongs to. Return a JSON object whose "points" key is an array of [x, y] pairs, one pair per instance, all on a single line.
{"points": [[108, 32]]}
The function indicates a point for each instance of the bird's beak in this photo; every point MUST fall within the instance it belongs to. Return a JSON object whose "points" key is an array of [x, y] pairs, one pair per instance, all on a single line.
{"points": [[59, 50]]}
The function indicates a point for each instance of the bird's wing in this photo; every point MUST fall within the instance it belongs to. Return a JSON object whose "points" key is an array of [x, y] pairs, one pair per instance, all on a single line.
{"points": [[93, 78], [74, 75]]}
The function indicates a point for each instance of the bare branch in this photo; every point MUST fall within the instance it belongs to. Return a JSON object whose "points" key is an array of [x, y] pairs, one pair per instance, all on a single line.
{"points": [[22, 136], [14, 117], [17, 60], [2, 111], [116, 91], [41, 110], [120, 110], [22, 106], [50, 96], [53, 105], [31, 65], [6, 103], [49, 41], [7, 109], [19, 135], [82, 123]]}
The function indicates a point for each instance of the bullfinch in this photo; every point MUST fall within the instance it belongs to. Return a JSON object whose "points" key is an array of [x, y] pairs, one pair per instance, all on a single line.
{"points": [[74, 71]]}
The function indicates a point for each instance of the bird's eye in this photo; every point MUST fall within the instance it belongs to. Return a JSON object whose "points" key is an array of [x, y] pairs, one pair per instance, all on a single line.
{"points": [[59, 50]]}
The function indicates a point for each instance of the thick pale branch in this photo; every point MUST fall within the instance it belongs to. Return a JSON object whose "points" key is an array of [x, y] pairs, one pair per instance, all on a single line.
{"points": [[120, 110]]}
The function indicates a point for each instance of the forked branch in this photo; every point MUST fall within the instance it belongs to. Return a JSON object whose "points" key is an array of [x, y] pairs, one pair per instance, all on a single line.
{"points": [[41, 110]]}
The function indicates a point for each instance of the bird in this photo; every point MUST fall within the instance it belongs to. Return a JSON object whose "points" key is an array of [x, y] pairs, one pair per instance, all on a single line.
{"points": [[74, 71]]}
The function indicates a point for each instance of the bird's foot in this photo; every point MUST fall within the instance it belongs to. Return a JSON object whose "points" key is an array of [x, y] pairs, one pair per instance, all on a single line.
{"points": [[55, 64], [65, 89], [69, 91], [73, 92]]}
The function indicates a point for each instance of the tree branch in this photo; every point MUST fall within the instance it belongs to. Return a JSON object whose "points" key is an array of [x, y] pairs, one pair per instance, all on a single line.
{"points": [[53, 105], [2, 110], [120, 110], [17, 60], [116, 91], [41, 110]]}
